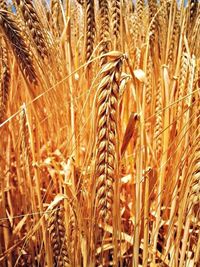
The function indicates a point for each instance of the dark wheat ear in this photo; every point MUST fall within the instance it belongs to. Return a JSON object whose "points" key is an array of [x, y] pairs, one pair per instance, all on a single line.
{"points": [[31, 19], [18, 45], [57, 232], [193, 7]]}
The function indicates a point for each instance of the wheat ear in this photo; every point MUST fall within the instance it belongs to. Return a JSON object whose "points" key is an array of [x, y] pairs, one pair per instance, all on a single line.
{"points": [[152, 18], [58, 236], [31, 19], [104, 28], [174, 39], [90, 28], [106, 144], [115, 8], [4, 80], [194, 195], [159, 123], [18, 45], [56, 15]]}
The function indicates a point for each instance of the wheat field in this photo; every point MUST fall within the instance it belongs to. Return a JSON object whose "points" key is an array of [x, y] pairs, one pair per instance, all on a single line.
{"points": [[99, 133]]}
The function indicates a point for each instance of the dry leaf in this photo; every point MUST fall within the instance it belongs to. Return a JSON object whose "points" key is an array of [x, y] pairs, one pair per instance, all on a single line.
{"points": [[129, 132]]}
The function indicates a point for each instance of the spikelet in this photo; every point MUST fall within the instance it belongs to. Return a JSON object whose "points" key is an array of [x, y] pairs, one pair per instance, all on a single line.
{"points": [[31, 19], [106, 126], [3, 4], [90, 28], [16, 41], [57, 233], [4, 79], [81, 2], [104, 28]]}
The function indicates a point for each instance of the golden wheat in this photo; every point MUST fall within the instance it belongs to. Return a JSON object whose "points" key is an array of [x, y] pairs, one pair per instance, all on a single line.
{"points": [[99, 124]]}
